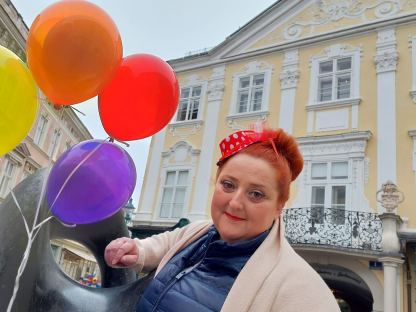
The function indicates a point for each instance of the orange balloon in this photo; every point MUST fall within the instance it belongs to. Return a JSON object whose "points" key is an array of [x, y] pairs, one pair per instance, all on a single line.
{"points": [[73, 50]]}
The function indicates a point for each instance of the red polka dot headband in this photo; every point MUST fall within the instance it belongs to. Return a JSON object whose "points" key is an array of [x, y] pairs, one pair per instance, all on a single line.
{"points": [[239, 140]]}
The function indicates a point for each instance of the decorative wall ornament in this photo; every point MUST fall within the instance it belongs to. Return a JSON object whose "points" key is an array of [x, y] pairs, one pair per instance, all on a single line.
{"points": [[185, 129], [386, 56], [216, 84], [289, 78], [335, 10], [181, 152], [389, 196], [193, 79], [255, 66], [232, 121], [289, 75], [215, 90], [387, 61]]}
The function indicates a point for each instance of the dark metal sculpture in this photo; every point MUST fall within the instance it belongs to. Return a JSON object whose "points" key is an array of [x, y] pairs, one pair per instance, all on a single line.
{"points": [[43, 286]]}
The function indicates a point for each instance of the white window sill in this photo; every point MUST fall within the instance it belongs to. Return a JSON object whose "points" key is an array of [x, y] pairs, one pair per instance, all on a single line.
{"points": [[250, 115], [186, 123], [333, 104]]}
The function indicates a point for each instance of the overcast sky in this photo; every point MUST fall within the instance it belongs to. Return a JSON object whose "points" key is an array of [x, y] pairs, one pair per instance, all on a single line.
{"points": [[166, 28]]}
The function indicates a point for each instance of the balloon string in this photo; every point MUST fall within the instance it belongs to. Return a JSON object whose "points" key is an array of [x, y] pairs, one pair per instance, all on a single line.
{"points": [[31, 235], [21, 212], [74, 171]]}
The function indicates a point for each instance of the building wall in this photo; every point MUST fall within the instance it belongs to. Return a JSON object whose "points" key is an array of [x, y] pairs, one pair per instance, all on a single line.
{"points": [[32, 155], [373, 130]]}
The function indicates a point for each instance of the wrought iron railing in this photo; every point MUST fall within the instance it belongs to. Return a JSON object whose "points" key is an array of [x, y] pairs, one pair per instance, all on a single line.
{"points": [[333, 227]]}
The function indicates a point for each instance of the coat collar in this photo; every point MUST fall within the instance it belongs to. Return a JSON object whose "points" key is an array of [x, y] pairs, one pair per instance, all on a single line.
{"points": [[261, 265]]}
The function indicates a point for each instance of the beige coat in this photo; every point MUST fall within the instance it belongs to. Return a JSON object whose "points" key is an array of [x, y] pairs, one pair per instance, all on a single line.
{"points": [[275, 278]]}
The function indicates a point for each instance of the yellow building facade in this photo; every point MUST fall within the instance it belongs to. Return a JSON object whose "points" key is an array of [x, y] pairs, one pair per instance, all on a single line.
{"points": [[341, 77]]}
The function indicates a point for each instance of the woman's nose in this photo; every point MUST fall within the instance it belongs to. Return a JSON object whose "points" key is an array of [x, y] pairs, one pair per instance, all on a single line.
{"points": [[236, 201]]}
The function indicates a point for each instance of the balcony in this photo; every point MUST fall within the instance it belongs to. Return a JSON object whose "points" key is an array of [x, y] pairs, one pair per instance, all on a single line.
{"points": [[336, 228]]}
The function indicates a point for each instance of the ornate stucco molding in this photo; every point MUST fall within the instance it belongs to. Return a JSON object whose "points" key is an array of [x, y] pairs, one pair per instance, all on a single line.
{"points": [[386, 57], [387, 61], [216, 84], [232, 121], [290, 71], [185, 129], [333, 11], [181, 152]]}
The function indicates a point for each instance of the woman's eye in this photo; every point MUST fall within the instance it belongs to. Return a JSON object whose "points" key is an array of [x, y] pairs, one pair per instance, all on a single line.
{"points": [[227, 185], [256, 195]]}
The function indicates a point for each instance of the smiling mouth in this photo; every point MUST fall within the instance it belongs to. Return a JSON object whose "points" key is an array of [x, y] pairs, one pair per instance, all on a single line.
{"points": [[234, 218]]}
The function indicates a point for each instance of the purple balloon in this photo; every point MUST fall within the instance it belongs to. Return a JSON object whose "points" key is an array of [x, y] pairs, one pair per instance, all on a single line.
{"points": [[100, 187]]}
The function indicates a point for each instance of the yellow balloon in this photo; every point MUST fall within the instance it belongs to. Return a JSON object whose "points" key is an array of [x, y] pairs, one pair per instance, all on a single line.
{"points": [[18, 100]]}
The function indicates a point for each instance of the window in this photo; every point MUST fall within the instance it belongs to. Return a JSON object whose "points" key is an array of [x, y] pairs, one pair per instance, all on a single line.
{"points": [[328, 190], [6, 179], [40, 130], [334, 81], [189, 103], [174, 192], [54, 143], [250, 93]]}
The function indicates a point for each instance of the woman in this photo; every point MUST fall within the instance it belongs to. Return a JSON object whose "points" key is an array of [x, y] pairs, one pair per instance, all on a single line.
{"points": [[241, 260]]}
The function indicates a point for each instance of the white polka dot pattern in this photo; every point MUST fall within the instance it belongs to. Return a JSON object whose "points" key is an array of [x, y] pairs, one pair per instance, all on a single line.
{"points": [[236, 142]]}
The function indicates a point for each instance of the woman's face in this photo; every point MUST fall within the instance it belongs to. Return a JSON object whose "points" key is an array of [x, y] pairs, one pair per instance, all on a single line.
{"points": [[245, 201]]}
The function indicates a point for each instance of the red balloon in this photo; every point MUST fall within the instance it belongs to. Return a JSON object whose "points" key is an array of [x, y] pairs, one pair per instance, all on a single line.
{"points": [[140, 100]]}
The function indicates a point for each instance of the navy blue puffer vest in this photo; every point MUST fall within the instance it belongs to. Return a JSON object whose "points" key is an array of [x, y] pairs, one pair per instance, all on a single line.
{"points": [[199, 277]]}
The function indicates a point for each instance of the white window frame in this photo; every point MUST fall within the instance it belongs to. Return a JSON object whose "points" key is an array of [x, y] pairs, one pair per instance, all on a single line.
{"points": [[349, 147], [41, 129], [328, 183], [251, 70], [189, 99], [185, 210], [7, 178], [333, 53], [54, 146], [192, 81]]}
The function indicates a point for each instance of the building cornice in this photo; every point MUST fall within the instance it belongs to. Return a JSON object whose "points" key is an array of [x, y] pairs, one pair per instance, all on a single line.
{"points": [[350, 136], [205, 60]]}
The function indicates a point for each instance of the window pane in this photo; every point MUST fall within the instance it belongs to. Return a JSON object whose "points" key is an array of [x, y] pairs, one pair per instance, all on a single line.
{"points": [[194, 109], [343, 87], [244, 82], [338, 205], [183, 178], [338, 196], [185, 93], [344, 63], [242, 102], [318, 196], [180, 195], [257, 99], [325, 89], [183, 106], [319, 171], [170, 178], [177, 210], [196, 91], [164, 210], [325, 67], [167, 195], [258, 80], [317, 205], [339, 170]]}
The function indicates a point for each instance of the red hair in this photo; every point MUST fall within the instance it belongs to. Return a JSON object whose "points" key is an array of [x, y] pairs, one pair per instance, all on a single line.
{"points": [[288, 162]]}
